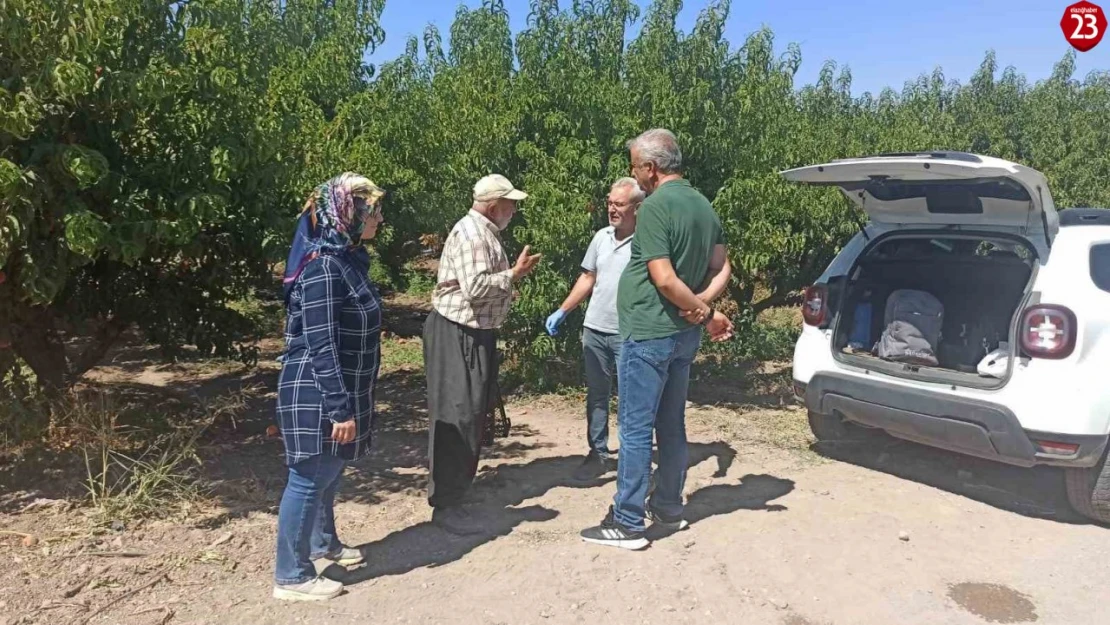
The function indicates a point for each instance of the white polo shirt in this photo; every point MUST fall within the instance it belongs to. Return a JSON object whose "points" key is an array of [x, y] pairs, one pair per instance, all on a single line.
{"points": [[606, 258]]}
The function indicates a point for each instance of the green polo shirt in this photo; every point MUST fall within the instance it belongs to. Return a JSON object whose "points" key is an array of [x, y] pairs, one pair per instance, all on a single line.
{"points": [[675, 222]]}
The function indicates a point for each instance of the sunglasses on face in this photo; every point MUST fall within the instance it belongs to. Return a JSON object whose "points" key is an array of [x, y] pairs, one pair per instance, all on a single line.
{"points": [[367, 211]]}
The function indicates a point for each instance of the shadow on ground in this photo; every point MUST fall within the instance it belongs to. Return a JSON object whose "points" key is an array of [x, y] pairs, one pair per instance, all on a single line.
{"points": [[751, 492], [741, 386], [498, 492], [1037, 493], [249, 472]]}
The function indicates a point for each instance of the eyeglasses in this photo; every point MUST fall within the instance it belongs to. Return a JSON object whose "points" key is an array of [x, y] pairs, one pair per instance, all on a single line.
{"points": [[367, 211], [612, 204]]}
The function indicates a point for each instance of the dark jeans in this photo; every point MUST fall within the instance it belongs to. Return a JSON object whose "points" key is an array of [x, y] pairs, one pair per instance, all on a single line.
{"points": [[306, 518], [654, 376], [601, 352]]}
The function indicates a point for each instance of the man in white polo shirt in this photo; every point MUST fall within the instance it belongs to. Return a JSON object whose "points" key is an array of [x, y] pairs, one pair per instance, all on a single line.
{"points": [[601, 343]]}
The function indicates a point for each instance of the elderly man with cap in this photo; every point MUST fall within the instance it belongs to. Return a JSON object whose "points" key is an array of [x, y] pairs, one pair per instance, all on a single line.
{"points": [[471, 300]]}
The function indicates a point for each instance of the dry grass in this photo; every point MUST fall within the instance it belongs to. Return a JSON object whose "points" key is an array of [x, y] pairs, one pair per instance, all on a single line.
{"points": [[134, 472]]}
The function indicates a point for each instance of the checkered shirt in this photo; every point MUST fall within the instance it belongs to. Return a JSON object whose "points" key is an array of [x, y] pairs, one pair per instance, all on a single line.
{"points": [[332, 339], [475, 284]]}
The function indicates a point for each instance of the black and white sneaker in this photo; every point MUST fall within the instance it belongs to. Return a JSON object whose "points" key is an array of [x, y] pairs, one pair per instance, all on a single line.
{"points": [[613, 534], [673, 524]]}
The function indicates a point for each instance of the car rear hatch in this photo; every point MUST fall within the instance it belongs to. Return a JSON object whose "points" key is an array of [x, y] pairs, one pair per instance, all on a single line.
{"points": [[943, 189]]}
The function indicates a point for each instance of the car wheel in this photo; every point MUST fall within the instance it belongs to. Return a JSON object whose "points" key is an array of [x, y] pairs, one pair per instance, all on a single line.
{"points": [[1089, 490], [832, 428]]}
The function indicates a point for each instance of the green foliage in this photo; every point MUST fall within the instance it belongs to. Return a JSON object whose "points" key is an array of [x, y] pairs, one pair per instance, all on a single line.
{"points": [[553, 110], [762, 338], [153, 154], [418, 283]]}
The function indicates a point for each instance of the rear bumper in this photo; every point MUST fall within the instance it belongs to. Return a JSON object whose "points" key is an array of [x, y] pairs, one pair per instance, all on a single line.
{"points": [[963, 425]]}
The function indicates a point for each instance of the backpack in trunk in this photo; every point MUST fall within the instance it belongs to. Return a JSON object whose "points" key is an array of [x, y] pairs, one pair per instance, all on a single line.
{"points": [[913, 321]]}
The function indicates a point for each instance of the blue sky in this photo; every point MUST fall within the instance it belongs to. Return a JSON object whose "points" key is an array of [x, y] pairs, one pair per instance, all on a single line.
{"points": [[884, 43]]}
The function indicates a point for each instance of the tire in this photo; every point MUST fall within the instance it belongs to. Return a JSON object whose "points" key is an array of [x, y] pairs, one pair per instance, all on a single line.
{"points": [[1089, 490], [832, 429]]}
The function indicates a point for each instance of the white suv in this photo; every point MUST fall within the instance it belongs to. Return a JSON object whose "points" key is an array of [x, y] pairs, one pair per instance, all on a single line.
{"points": [[1020, 284]]}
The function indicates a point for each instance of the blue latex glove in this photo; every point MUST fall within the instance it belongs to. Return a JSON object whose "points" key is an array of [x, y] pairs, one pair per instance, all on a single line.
{"points": [[554, 321]]}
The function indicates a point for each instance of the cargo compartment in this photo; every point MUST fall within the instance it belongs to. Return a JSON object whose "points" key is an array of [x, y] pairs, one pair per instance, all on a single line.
{"points": [[981, 282]]}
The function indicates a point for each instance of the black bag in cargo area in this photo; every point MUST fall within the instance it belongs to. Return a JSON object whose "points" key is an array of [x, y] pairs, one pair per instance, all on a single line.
{"points": [[913, 321]]}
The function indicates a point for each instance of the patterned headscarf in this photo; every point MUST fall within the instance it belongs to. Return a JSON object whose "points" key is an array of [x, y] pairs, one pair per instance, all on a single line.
{"points": [[331, 222]]}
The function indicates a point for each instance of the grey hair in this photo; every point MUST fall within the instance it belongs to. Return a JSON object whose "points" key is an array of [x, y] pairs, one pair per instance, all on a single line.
{"points": [[636, 194], [659, 146], [482, 205]]}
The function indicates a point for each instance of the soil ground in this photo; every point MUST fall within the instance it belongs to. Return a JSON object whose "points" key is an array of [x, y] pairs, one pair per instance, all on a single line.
{"points": [[782, 531]]}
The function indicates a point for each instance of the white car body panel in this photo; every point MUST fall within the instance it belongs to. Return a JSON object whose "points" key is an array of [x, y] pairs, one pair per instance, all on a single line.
{"points": [[1069, 396]]}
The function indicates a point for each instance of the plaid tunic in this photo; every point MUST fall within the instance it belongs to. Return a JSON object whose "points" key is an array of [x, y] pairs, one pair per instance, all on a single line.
{"points": [[332, 339], [475, 283]]}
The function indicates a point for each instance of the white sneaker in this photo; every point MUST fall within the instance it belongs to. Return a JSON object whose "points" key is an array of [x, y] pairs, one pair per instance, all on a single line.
{"points": [[675, 524], [348, 556], [319, 589]]}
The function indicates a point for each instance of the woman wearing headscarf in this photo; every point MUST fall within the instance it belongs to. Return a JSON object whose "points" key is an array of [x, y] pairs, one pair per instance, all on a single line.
{"points": [[326, 387]]}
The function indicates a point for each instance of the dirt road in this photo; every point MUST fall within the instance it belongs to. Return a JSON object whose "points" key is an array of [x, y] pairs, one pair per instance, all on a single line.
{"points": [[776, 537], [781, 534]]}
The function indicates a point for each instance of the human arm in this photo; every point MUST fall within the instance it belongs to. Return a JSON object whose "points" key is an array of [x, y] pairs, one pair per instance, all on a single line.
{"points": [[675, 290], [473, 263], [720, 271], [582, 289], [324, 291]]}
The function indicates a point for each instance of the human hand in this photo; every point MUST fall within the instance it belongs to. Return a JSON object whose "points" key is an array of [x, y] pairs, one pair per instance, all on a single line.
{"points": [[554, 321], [719, 327], [525, 263], [698, 316], [345, 432]]}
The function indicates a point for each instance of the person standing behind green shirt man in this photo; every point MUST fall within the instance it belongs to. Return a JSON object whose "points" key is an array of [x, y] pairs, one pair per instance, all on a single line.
{"points": [[678, 247]]}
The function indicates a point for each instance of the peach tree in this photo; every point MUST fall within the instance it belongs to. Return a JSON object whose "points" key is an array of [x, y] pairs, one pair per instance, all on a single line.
{"points": [[152, 156]]}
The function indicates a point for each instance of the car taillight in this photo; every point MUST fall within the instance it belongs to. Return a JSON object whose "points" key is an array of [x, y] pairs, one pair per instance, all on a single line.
{"points": [[815, 308], [1048, 331]]}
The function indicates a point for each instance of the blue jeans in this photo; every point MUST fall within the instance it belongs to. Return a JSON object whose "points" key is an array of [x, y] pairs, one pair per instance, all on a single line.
{"points": [[654, 376], [601, 352], [306, 518]]}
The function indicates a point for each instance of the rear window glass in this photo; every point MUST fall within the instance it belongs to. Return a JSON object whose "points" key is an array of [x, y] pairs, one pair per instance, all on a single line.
{"points": [[1100, 266]]}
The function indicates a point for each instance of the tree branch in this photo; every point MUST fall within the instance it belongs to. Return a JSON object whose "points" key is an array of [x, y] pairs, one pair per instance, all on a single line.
{"points": [[777, 300]]}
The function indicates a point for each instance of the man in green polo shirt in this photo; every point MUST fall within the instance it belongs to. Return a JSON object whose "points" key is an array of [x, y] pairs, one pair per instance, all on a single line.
{"points": [[678, 267]]}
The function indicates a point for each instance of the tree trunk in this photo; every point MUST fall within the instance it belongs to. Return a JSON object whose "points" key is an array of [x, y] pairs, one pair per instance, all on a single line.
{"points": [[36, 340]]}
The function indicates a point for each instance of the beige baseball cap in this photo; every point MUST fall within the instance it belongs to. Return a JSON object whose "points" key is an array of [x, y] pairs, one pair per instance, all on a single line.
{"points": [[495, 187]]}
